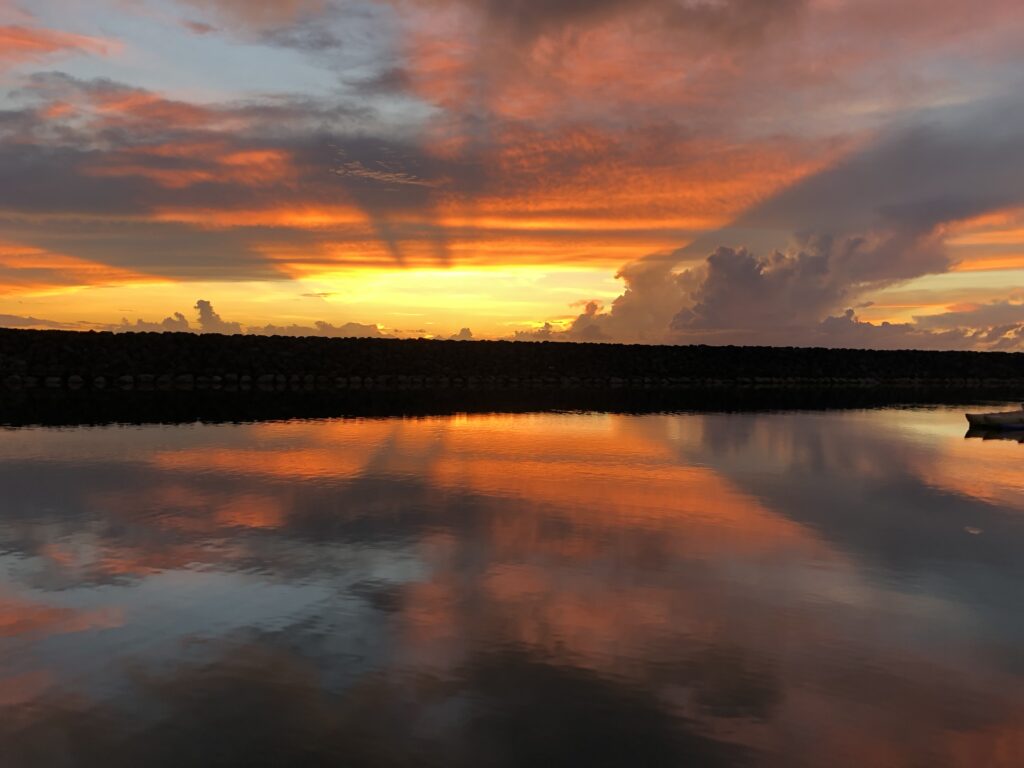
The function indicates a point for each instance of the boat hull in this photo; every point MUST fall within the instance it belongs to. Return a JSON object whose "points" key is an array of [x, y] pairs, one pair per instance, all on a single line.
{"points": [[1005, 420]]}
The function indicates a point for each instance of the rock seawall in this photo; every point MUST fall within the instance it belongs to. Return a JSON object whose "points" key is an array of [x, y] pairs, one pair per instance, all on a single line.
{"points": [[90, 361]]}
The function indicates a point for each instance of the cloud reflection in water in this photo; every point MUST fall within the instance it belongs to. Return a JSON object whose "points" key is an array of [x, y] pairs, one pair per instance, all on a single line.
{"points": [[759, 589]]}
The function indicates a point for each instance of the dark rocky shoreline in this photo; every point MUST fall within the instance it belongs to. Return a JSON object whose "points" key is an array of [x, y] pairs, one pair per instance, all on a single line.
{"points": [[182, 361], [63, 377], [65, 408]]}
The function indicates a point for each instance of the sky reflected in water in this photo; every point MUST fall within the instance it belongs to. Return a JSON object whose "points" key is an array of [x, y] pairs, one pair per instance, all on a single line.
{"points": [[790, 589]]}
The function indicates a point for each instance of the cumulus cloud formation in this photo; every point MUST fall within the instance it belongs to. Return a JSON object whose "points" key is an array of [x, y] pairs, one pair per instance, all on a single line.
{"points": [[875, 220], [211, 322], [847, 331], [176, 323], [463, 335], [208, 320], [735, 290], [785, 300], [321, 328]]}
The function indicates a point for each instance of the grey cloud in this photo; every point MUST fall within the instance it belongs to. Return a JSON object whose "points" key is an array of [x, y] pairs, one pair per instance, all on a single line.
{"points": [[586, 327], [260, 14], [112, 172], [198, 27], [546, 332], [174, 324], [652, 296], [211, 322], [995, 313], [384, 179], [844, 330], [872, 221], [463, 335], [384, 81], [343, 36], [208, 320], [169, 250], [314, 38], [321, 328], [847, 331], [947, 164], [19, 321], [883, 214], [388, 169], [735, 289]]}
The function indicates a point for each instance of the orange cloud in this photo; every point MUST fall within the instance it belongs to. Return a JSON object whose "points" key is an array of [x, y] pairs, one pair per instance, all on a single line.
{"points": [[246, 168], [990, 263], [25, 269], [19, 44]]}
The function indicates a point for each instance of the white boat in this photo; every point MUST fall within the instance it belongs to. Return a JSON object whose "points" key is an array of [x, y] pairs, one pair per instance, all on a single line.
{"points": [[1004, 420]]}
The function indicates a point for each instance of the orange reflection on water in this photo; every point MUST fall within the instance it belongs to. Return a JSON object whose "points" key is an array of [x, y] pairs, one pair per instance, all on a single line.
{"points": [[252, 511], [727, 568], [25, 687], [19, 616], [275, 463]]}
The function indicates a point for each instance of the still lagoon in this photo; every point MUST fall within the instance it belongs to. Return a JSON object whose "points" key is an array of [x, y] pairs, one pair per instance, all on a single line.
{"points": [[836, 589]]}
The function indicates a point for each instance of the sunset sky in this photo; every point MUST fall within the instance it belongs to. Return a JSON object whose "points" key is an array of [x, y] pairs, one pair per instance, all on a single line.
{"points": [[828, 172]]}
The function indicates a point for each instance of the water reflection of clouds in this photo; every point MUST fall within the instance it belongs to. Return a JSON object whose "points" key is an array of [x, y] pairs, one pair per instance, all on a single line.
{"points": [[763, 582]]}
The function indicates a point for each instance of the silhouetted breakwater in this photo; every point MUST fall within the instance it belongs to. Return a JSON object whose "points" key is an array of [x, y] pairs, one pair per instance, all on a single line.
{"points": [[63, 408], [91, 362]]}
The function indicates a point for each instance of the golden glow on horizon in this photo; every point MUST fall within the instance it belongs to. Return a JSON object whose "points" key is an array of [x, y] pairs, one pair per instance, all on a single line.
{"points": [[431, 301]]}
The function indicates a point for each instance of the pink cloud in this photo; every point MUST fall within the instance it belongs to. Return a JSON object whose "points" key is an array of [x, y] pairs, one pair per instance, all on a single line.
{"points": [[20, 44]]}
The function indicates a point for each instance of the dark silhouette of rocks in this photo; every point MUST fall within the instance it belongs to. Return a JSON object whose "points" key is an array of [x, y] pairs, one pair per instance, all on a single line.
{"points": [[183, 362]]}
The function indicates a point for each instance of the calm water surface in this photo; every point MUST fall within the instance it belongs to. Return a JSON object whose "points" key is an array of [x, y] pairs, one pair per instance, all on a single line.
{"points": [[794, 589]]}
